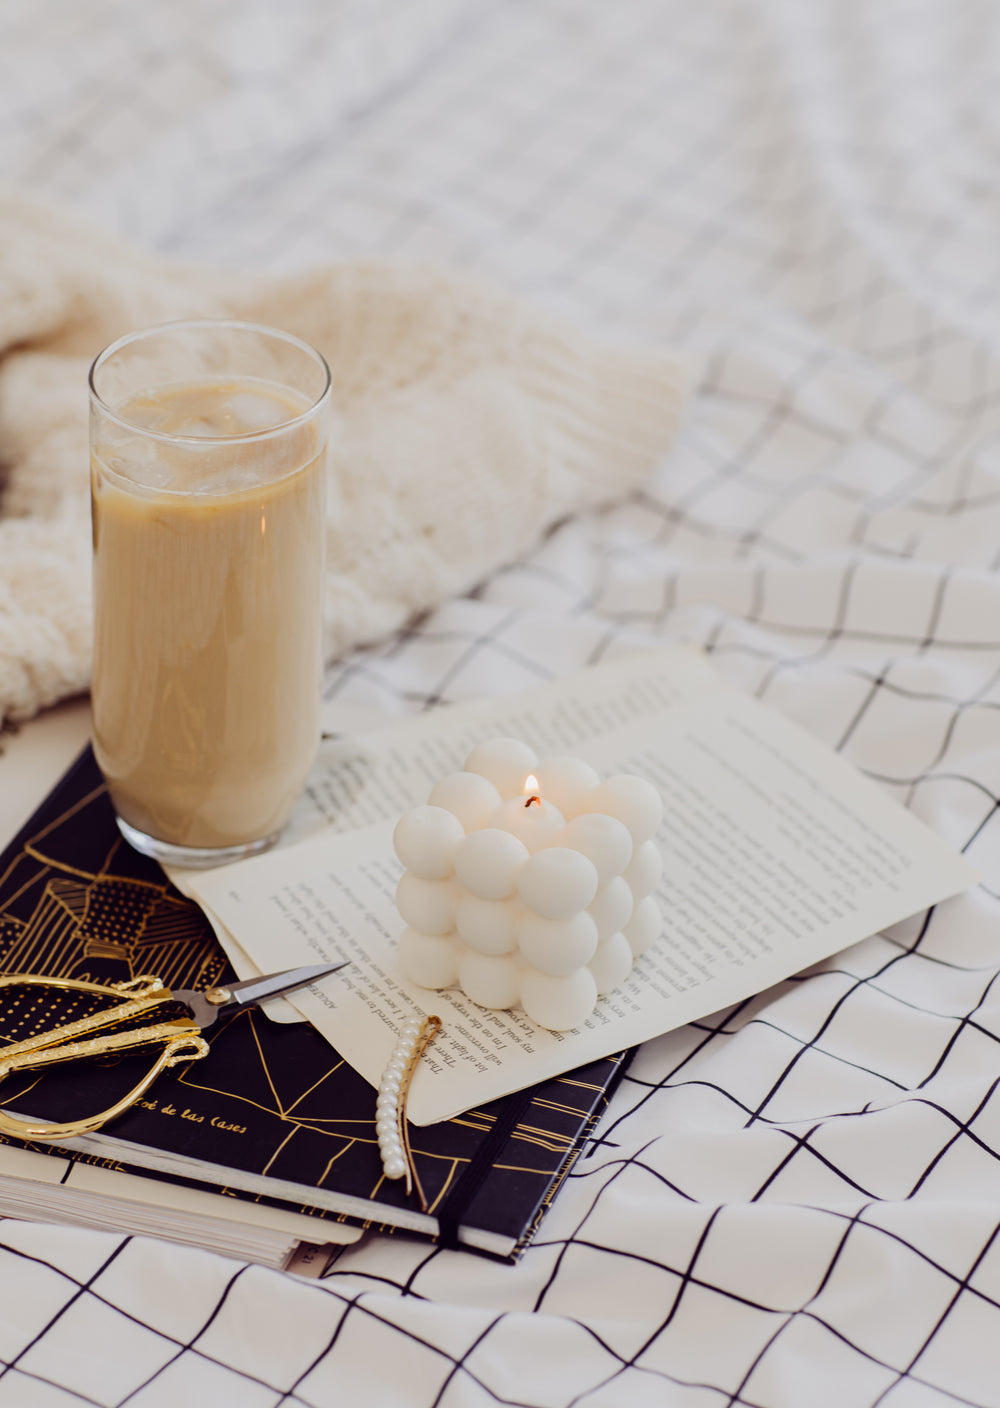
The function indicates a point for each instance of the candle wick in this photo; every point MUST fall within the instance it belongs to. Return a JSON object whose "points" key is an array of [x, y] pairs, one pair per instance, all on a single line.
{"points": [[537, 800]]}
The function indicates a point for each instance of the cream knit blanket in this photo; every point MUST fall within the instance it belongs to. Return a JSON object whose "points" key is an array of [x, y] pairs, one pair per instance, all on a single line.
{"points": [[465, 424]]}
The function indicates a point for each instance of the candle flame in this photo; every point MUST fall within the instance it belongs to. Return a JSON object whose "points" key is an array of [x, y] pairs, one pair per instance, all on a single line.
{"points": [[531, 785]]}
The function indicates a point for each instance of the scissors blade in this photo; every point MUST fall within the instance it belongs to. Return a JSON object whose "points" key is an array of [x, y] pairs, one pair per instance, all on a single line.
{"points": [[254, 990], [206, 1007]]}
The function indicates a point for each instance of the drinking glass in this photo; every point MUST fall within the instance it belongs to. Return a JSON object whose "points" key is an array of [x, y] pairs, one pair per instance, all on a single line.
{"points": [[208, 442]]}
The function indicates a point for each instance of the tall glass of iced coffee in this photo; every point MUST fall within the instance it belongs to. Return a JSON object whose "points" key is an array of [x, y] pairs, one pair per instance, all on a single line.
{"points": [[208, 442]]}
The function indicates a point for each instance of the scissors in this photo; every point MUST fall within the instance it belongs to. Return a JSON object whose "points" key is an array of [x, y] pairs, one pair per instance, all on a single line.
{"points": [[179, 1038]]}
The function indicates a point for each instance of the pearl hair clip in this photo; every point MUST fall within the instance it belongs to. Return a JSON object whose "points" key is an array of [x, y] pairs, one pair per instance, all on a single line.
{"points": [[415, 1035]]}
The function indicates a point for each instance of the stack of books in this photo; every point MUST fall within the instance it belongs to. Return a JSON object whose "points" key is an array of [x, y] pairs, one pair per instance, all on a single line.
{"points": [[266, 1149]]}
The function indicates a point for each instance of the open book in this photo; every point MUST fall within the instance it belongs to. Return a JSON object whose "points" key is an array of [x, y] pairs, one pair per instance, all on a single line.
{"points": [[777, 855]]}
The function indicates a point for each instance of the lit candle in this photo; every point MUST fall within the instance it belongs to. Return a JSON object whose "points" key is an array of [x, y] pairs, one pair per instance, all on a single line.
{"points": [[532, 819], [529, 882], [505, 762], [566, 782]]}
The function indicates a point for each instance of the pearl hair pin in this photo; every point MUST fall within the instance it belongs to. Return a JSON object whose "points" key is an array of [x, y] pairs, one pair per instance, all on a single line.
{"points": [[415, 1035]]}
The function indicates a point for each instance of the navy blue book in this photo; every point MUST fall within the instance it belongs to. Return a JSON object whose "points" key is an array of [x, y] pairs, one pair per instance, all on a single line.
{"points": [[273, 1113]]}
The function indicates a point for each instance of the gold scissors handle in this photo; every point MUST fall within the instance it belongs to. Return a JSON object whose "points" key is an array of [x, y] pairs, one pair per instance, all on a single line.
{"points": [[180, 1039]]}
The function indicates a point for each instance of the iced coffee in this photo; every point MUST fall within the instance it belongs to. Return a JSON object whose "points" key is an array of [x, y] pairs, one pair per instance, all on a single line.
{"points": [[208, 489]]}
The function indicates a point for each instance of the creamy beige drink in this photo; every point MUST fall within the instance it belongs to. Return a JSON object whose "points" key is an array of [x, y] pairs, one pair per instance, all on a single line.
{"points": [[208, 544]]}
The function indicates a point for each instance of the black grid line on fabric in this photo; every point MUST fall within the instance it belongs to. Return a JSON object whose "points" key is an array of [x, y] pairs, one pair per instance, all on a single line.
{"points": [[490, 642], [963, 1127], [813, 1044], [182, 1347], [804, 1047], [686, 1277], [959, 1290], [289, 1395], [960, 1284], [799, 1143], [456, 1364], [850, 1220], [610, 1126], [82, 1288], [189, 1345], [75, 1395], [961, 1023]]}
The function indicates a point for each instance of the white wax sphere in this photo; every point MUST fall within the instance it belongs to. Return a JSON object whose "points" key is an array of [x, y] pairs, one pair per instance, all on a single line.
{"points": [[643, 872], [506, 762], [490, 979], [467, 796], [429, 960], [602, 839], [611, 963], [566, 782], [632, 800], [558, 1003], [611, 908], [427, 905], [490, 926], [531, 819], [557, 882], [488, 863], [645, 926], [558, 946], [425, 840]]}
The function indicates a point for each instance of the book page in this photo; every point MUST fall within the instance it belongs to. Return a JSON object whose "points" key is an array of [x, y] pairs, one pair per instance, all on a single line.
{"points": [[777, 854], [382, 773], [30, 1170]]}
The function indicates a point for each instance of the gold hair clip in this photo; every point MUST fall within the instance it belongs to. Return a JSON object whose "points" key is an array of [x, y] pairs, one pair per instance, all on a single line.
{"points": [[415, 1035]]}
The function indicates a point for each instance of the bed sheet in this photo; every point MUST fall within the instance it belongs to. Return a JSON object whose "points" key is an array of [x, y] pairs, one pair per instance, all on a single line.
{"points": [[795, 1202]]}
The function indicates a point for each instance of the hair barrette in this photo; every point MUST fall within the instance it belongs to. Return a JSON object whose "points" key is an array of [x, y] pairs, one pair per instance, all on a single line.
{"points": [[415, 1035]]}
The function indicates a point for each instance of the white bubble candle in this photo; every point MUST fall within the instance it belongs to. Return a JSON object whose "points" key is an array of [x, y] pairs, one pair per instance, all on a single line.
{"points": [[529, 882]]}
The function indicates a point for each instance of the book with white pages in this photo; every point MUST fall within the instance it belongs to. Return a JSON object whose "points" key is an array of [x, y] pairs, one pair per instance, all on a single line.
{"points": [[777, 854], [49, 1187], [268, 1146]]}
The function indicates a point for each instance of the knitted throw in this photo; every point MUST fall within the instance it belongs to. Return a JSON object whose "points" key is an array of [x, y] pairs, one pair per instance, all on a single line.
{"points": [[465, 424]]}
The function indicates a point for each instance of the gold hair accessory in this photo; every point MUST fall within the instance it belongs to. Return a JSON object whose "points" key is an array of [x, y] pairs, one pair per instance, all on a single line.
{"points": [[415, 1035]]}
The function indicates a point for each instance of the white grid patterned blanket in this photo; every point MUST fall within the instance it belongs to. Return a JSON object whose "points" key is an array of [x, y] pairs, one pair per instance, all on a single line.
{"points": [[797, 1202]]}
